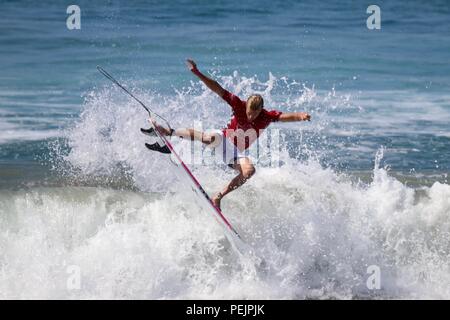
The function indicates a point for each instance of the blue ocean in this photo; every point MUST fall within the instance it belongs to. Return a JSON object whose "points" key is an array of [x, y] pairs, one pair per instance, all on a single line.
{"points": [[363, 186]]}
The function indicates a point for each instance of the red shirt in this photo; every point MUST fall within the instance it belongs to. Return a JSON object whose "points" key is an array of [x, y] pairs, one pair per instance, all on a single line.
{"points": [[239, 130]]}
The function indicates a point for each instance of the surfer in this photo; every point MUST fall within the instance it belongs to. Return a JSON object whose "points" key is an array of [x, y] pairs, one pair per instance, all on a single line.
{"points": [[249, 119]]}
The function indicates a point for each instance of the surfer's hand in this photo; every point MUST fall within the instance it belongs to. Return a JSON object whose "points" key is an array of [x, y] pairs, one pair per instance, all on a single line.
{"points": [[191, 64], [305, 116]]}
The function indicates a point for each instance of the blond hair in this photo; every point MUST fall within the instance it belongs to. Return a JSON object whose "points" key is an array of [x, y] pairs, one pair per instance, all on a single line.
{"points": [[255, 102]]}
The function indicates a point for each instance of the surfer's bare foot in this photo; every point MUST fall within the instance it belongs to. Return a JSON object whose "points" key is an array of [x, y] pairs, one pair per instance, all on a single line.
{"points": [[216, 199], [162, 129]]}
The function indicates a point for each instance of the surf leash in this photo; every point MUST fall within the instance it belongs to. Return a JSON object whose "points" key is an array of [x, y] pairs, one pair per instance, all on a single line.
{"points": [[151, 113]]}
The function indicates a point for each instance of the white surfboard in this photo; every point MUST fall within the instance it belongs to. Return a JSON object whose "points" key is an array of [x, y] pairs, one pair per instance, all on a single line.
{"points": [[205, 201]]}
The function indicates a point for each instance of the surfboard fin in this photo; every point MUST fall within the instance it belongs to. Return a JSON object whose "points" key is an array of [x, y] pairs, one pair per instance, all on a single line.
{"points": [[149, 132], [156, 147]]}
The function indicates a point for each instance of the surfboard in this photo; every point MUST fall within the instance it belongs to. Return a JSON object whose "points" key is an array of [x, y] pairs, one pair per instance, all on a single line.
{"points": [[205, 201]]}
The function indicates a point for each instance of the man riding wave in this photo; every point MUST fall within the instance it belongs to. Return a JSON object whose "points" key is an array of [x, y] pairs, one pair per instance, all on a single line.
{"points": [[249, 119]]}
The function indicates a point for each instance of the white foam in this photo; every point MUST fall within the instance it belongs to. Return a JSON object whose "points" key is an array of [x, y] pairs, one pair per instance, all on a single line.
{"points": [[12, 133], [317, 230]]}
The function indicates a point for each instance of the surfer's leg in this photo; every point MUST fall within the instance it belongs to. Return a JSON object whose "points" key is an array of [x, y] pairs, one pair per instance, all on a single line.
{"points": [[246, 171], [192, 134], [182, 133]]}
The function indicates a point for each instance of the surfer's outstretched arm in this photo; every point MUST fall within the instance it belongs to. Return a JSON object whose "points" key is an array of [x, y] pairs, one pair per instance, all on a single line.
{"points": [[294, 116], [213, 85]]}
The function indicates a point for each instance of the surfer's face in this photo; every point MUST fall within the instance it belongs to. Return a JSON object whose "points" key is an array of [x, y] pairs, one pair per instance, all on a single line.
{"points": [[252, 114], [254, 106]]}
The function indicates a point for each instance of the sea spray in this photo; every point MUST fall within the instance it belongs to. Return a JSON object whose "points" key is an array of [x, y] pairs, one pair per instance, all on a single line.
{"points": [[318, 229]]}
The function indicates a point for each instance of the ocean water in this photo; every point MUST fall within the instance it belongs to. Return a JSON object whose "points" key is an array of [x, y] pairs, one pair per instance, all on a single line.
{"points": [[364, 184]]}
